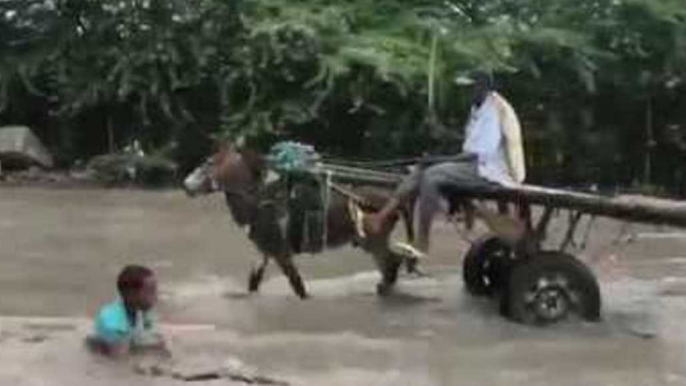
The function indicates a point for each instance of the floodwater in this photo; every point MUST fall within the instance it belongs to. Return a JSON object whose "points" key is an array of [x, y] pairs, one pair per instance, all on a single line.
{"points": [[61, 251]]}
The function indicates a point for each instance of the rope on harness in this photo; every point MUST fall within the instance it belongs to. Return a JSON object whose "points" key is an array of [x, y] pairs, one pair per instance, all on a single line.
{"points": [[301, 160], [356, 213], [348, 193], [402, 162], [357, 216], [326, 198]]}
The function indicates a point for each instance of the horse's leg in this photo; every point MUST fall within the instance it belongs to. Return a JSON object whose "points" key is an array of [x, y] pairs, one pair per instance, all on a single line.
{"points": [[407, 215], [389, 265], [291, 271], [256, 275]]}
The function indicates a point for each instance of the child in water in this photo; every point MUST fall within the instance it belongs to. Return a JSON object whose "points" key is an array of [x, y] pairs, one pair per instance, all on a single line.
{"points": [[126, 325]]}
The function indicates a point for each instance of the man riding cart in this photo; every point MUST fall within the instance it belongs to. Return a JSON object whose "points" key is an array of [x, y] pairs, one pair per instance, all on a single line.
{"points": [[533, 286], [492, 155]]}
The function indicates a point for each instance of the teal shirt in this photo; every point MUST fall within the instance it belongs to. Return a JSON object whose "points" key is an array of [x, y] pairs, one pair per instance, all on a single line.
{"points": [[113, 325]]}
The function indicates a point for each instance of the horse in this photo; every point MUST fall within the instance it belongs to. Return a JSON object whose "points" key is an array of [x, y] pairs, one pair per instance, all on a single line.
{"points": [[261, 205]]}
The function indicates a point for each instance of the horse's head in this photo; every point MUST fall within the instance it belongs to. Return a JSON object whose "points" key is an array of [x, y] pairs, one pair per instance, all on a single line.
{"points": [[236, 173], [228, 170]]}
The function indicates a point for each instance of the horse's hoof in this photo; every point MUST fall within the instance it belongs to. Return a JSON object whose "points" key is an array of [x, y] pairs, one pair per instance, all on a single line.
{"points": [[254, 282], [384, 289]]}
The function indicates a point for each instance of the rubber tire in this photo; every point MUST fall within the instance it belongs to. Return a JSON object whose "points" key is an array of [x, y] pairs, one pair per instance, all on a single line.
{"points": [[527, 273], [473, 266]]}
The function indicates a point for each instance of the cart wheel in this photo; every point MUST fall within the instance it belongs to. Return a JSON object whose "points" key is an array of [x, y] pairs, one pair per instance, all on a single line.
{"points": [[486, 266], [551, 287]]}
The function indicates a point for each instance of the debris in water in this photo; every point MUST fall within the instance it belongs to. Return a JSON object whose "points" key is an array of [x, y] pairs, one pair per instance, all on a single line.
{"points": [[233, 370], [641, 323], [40, 338], [155, 370]]}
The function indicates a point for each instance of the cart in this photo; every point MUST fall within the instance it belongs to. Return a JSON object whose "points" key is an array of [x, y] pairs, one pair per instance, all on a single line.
{"points": [[533, 285]]}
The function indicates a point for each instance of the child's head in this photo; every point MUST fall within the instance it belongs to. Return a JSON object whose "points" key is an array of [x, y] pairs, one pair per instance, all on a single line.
{"points": [[138, 287]]}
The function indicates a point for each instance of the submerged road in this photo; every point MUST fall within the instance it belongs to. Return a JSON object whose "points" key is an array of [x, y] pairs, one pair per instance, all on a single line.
{"points": [[60, 251]]}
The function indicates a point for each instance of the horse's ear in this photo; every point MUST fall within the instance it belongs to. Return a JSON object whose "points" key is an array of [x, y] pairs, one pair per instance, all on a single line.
{"points": [[240, 142]]}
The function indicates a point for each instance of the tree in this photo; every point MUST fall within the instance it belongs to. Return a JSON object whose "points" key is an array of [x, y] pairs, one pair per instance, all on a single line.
{"points": [[595, 81]]}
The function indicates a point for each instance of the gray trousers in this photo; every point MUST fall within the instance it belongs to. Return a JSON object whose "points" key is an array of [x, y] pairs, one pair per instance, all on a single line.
{"points": [[426, 185]]}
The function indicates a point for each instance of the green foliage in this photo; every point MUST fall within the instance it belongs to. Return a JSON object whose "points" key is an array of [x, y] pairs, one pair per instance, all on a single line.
{"points": [[355, 78], [121, 168]]}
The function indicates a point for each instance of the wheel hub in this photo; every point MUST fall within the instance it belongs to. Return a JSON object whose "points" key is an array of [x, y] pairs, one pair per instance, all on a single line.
{"points": [[552, 303], [551, 299]]}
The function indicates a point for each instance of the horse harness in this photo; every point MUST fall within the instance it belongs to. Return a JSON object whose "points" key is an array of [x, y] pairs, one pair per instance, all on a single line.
{"points": [[297, 205]]}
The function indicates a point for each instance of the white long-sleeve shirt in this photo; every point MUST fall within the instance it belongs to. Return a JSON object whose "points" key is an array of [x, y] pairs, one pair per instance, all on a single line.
{"points": [[485, 138]]}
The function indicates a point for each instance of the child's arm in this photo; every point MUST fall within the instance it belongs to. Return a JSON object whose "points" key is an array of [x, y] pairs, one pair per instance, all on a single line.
{"points": [[110, 349], [147, 338]]}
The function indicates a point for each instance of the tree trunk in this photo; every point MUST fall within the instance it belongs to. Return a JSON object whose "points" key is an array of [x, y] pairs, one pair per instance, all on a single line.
{"points": [[650, 144], [432, 77], [110, 136]]}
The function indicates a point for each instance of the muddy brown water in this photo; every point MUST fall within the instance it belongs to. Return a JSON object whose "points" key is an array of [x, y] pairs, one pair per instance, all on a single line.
{"points": [[60, 251]]}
